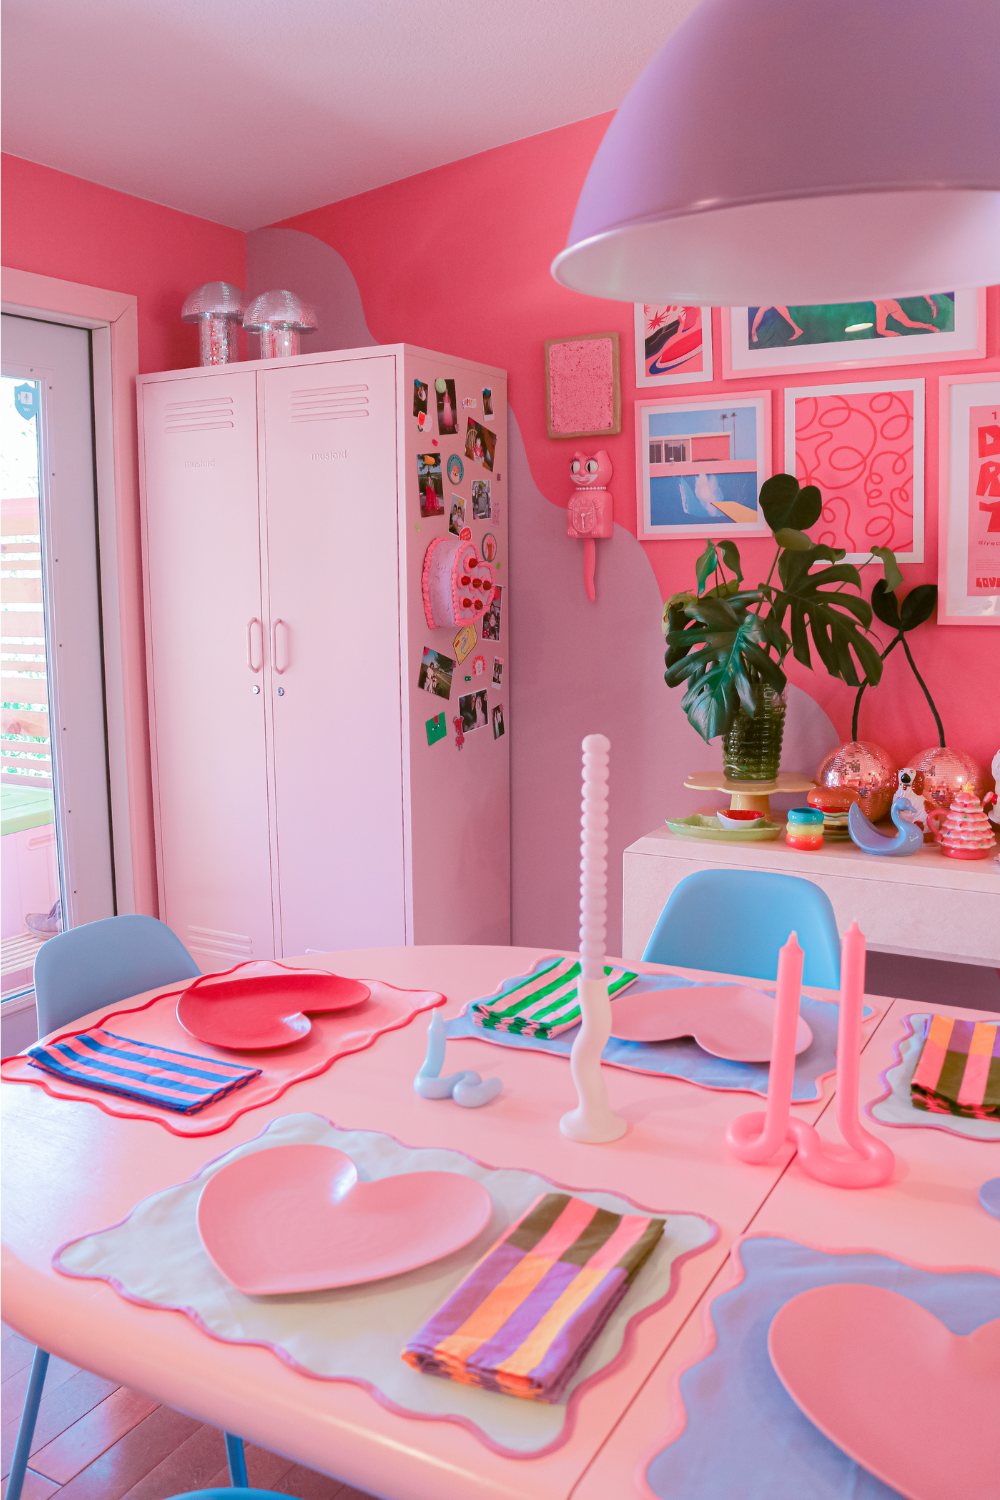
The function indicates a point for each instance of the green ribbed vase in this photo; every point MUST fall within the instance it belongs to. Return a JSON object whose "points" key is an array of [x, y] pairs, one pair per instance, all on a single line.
{"points": [[751, 749]]}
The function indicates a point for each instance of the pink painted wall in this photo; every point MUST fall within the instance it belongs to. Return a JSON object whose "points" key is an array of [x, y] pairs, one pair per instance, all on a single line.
{"points": [[57, 225], [458, 259]]}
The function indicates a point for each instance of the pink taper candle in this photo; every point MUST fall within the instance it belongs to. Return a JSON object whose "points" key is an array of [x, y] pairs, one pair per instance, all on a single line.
{"points": [[757, 1136]]}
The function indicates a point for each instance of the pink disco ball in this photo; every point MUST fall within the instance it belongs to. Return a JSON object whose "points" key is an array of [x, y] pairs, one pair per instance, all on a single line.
{"points": [[868, 768], [941, 774]]}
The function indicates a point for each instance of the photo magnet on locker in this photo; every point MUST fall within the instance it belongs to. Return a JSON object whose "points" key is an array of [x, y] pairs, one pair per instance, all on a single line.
{"points": [[447, 411]]}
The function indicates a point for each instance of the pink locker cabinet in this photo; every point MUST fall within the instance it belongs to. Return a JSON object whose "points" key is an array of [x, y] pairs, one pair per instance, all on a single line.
{"points": [[300, 801]]}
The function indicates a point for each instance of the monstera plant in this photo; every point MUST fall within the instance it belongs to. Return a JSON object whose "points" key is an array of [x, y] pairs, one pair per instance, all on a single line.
{"points": [[726, 642]]}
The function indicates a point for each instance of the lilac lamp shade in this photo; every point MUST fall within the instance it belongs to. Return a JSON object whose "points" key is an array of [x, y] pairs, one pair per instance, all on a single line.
{"points": [[800, 151]]}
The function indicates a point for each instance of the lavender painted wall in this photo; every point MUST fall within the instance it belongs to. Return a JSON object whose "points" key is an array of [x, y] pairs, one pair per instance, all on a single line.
{"points": [[576, 668]]}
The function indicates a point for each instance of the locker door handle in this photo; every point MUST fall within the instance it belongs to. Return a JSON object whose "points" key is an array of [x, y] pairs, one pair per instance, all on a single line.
{"points": [[250, 626], [274, 646]]}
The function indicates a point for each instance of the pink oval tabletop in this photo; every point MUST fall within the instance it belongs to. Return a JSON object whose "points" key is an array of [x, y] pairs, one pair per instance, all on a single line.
{"points": [[261, 1003], [884, 1379], [727, 1020], [296, 1219]]}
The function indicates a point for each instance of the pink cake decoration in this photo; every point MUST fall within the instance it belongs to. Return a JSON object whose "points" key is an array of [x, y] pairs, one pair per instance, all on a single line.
{"points": [[457, 583]]}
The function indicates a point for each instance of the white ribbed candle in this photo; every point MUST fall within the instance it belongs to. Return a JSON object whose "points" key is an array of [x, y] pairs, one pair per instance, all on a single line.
{"points": [[592, 1120]]}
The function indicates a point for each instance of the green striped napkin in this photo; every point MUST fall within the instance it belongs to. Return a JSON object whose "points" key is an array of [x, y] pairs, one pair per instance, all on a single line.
{"points": [[546, 1002]]}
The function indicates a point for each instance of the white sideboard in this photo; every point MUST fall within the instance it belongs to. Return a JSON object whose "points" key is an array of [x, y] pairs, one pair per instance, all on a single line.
{"points": [[924, 904]]}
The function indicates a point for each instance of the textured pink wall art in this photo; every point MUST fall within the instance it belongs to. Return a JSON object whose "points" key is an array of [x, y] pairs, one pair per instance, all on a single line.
{"points": [[863, 447], [583, 388]]}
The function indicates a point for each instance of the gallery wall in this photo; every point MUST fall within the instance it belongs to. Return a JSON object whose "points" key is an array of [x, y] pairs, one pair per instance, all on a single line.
{"points": [[458, 259]]}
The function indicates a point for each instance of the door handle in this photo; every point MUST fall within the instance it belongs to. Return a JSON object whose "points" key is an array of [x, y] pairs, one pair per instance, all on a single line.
{"points": [[274, 647], [250, 626]]}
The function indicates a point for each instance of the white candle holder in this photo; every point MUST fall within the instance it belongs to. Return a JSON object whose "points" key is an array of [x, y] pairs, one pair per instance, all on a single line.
{"points": [[593, 1120]]}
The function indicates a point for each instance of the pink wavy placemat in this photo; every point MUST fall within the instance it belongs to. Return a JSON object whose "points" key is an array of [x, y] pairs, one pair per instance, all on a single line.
{"points": [[334, 1035]]}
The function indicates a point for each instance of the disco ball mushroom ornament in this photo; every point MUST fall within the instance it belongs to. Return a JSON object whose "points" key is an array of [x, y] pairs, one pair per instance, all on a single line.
{"points": [[217, 308], [866, 767], [279, 317], [796, 152]]}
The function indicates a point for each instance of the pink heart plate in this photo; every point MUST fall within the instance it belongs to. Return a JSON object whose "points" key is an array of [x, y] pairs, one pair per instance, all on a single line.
{"points": [[727, 1020], [262, 1003], [884, 1379], [296, 1219]]}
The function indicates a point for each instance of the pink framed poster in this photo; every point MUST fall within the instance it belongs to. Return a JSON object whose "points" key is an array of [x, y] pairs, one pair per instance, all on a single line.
{"points": [[969, 502], [700, 463], [673, 344], [764, 341], [863, 445]]}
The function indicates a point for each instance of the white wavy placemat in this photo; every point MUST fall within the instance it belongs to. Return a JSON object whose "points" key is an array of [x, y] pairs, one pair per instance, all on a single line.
{"points": [[894, 1107], [357, 1333]]}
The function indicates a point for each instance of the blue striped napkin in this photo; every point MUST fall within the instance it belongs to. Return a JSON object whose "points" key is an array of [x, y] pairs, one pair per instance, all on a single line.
{"points": [[153, 1075]]}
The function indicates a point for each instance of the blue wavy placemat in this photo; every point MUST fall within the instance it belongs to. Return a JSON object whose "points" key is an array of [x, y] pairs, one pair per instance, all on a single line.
{"points": [[683, 1058], [745, 1435]]}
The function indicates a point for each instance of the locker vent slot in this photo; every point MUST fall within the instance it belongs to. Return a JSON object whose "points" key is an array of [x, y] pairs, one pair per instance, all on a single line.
{"points": [[207, 415], [213, 950], [330, 403]]}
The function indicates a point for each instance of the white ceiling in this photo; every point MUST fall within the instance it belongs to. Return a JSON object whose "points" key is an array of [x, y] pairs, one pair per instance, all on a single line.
{"points": [[248, 111]]}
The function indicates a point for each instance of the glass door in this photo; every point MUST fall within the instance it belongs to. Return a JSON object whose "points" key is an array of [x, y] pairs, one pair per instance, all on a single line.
{"points": [[55, 843]]}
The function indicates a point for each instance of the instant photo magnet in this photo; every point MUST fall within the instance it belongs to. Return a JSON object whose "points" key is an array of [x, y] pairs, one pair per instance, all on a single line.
{"points": [[430, 485], [435, 673], [456, 518], [447, 408], [480, 444], [419, 398]]}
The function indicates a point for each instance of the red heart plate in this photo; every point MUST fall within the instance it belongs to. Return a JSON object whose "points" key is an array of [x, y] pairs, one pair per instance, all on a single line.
{"points": [[891, 1385], [727, 1020], [262, 1004], [296, 1219]]}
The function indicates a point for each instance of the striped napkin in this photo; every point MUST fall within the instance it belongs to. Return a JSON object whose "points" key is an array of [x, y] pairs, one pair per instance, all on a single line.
{"points": [[154, 1075], [524, 1318], [958, 1070], [546, 1002]]}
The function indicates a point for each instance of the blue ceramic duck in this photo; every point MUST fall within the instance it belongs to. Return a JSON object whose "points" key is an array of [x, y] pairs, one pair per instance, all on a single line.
{"points": [[908, 840]]}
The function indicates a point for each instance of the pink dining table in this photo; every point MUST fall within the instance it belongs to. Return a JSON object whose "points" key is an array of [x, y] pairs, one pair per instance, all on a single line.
{"points": [[71, 1169], [927, 1214]]}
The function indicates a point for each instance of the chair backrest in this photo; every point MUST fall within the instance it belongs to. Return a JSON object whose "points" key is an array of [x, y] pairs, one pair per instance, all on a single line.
{"points": [[231, 1493], [734, 921], [101, 962]]}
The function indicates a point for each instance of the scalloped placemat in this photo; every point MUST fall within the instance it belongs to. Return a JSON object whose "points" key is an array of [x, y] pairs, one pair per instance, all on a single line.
{"points": [[682, 1057], [895, 1107], [745, 1436], [155, 1257]]}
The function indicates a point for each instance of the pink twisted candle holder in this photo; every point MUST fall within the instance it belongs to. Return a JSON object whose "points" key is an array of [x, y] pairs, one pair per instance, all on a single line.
{"points": [[757, 1136]]}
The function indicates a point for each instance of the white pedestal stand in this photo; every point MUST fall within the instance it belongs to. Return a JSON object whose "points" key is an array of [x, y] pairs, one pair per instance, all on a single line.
{"points": [[592, 1120]]}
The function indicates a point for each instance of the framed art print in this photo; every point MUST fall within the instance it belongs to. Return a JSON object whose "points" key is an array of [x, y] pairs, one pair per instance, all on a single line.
{"points": [[673, 345], [863, 445], [583, 392], [850, 335], [969, 501], [700, 463]]}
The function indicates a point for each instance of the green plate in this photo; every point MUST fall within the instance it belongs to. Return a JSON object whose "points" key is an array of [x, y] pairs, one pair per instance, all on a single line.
{"points": [[699, 827]]}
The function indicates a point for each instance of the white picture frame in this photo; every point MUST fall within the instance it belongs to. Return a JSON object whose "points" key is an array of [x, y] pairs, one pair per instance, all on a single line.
{"points": [[678, 374], [959, 395], [671, 489], [876, 415]]}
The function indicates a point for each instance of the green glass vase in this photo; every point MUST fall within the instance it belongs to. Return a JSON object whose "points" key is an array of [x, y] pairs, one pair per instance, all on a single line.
{"points": [[751, 749]]}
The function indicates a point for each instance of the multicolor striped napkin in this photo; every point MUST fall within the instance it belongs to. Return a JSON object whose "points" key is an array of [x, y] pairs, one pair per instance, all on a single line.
{"points": [[958, 1070], [526, 1315], [545, 1003], [154, 1075]]}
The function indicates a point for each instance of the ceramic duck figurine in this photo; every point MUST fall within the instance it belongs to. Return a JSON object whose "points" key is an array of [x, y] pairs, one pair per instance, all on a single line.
{"points": [[908, 840]]}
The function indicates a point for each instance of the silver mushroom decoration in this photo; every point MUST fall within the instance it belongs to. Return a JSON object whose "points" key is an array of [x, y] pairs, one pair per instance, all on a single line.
{"points": [[279, 317], [217, 308]]}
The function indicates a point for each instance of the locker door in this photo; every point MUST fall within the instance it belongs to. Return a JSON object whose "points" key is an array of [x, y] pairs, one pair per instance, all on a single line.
{"points": [[332, 548], [202, 549]]}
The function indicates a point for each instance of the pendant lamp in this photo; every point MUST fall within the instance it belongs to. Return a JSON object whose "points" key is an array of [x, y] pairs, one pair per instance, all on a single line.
{"points": [[800, 151]]}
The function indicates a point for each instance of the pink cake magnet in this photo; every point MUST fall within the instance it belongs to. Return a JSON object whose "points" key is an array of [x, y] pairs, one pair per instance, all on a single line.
{"points": [[457, 583]]}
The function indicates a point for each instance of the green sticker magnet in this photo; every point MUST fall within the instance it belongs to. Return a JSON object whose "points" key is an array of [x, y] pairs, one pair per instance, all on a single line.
{"points": [[436, 728]]}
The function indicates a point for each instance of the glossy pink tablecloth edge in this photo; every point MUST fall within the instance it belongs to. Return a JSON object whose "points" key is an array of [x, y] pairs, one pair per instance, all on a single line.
{"points": [[120, 1108], [929, 1122], [571, 1407]]}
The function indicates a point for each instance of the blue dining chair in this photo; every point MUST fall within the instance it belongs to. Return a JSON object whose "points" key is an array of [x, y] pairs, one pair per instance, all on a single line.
{"points": [[76, 972], [734, 921], [237, 1493]]}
